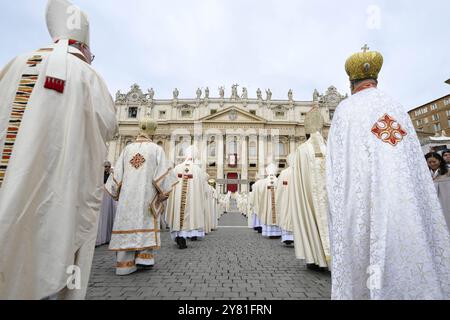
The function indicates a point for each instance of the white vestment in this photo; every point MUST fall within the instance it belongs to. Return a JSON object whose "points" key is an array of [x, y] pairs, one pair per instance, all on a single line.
{"points": [[228, 200], [238, 199], [389, 238], [213, 207], [221, 205], [267, 207], [242, 203], [250, 210], [284, 205], [141, 173], [186, 205], [257, 204], [309, 203], [51, 175], [207, 208], [106, 219]]}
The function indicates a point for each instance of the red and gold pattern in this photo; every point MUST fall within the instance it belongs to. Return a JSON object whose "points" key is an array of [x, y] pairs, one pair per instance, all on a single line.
{"points": [[26, 86], [184, 193], [389, 130], [272, 198], [137, 161]]}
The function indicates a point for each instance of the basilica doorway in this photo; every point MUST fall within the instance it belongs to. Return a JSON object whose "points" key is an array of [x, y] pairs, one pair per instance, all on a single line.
{"points": [[232, 187]]}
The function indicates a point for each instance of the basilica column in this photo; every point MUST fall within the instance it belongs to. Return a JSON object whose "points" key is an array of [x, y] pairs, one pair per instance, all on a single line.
{"points": [[244, 162], [111, 151], [261, 153], [292, 147], [118, 147], [220, 162], [270, 146], [198, 145], [172, 150], [204, 152]]}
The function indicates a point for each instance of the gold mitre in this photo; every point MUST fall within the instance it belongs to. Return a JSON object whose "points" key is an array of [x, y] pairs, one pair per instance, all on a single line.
{"points": [[148, 126], [364, 65], [313, 121]]}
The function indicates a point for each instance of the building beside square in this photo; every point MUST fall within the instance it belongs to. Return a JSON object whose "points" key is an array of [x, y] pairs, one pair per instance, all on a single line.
{"points": [[432, 123]]}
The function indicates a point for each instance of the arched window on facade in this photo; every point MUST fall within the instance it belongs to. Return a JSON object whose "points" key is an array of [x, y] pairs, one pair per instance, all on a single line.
{"points": [[252, 149], [212, 149], [281, 149], [182, 149], [232, 146]]}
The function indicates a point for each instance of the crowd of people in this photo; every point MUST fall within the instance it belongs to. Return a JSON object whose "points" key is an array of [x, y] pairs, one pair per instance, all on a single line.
{"points": [[439, 165]]}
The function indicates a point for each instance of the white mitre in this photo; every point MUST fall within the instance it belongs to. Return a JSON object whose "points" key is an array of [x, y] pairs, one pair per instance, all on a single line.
{"points": [[191, 153], [67, 21], [64, 22], [313, 121], [313, 126], [271, 169]]}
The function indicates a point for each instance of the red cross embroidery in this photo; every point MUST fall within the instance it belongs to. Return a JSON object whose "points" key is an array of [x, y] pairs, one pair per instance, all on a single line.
{"points": [[388, 130], [137, 161]]}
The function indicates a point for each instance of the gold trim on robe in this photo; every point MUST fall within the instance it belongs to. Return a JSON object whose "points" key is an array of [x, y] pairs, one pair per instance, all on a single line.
{"points": [[184, 191], [145, 256], [125, 265], [137, 249], [155, 221], [136, 231], [274, 213]]}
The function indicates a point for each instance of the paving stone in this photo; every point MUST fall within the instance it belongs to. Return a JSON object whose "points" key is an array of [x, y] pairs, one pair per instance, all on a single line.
{"points": [[230, 263]]}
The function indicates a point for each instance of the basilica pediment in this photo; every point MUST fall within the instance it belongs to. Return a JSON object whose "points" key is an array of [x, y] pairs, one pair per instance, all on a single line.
{"points": [[233, 114]]}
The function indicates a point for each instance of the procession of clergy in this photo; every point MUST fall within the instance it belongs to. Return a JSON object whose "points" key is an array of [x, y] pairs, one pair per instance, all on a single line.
{"points": [[364, 205], [293, 206]]}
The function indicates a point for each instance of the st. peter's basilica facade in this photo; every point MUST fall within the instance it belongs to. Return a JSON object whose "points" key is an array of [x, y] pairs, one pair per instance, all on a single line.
{"points": [[236, 136]]}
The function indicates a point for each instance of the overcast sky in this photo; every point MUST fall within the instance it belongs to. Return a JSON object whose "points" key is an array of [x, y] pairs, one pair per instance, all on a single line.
{"points": [[277, 44]]}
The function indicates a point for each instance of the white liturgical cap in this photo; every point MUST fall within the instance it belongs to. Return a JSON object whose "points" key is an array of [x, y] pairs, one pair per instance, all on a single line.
{"points": [[67, 21], [313, 121], [271, 169], [191, 153]]}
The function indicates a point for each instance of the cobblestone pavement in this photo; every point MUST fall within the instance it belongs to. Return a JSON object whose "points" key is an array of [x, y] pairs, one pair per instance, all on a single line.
{"points": [[232, 263]]}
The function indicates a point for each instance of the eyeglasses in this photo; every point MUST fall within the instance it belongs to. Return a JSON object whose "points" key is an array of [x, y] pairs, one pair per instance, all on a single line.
{"points": [[84, 50], [87, 52]]}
